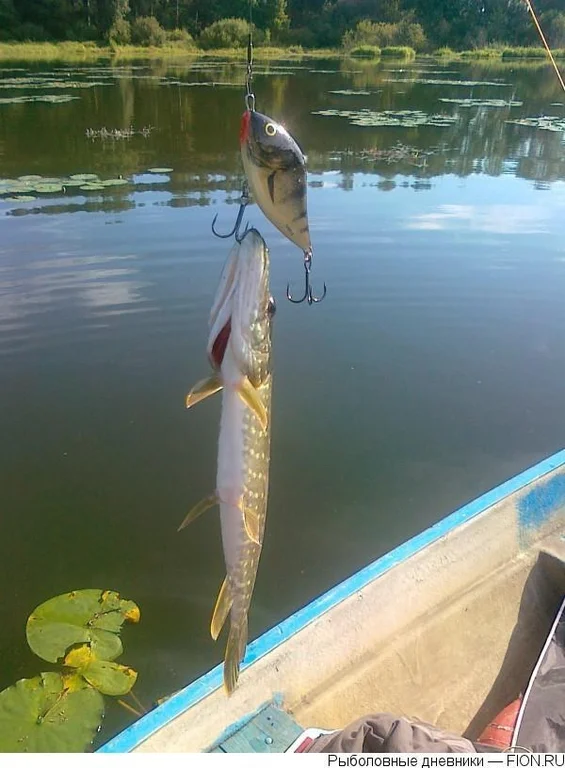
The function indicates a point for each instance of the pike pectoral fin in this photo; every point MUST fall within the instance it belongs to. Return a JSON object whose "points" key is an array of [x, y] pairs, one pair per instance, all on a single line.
{"points": [[251, 523], [251, 398], [203, 389], [199, 509], [235, 651], [221, 610]]}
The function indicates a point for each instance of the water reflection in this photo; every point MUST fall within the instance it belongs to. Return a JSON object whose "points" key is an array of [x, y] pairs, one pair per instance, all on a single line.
{"points": [[192, 128], [102, 284], [501, 219]]}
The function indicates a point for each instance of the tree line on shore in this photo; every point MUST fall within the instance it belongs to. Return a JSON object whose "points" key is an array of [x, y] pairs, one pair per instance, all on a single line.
{"points": [[421, 24]]}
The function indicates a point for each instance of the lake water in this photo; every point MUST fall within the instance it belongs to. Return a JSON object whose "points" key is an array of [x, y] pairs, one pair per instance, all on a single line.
{"points": [[434, 369]]}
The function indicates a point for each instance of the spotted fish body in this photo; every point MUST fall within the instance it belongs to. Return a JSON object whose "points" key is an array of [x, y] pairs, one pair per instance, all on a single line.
{"points": [[275, 167], [239, 350]]}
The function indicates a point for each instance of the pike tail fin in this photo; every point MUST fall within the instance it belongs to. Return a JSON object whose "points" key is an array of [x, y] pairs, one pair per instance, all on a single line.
{"points": [[221, 609], [235, 651]]}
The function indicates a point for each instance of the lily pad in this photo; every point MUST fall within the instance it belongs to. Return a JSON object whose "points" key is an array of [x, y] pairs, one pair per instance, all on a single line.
{"points": [[106, 676], [20, 199], [347, 92], [72, 182], [407, 118], [42, 715], [87, 616], [442, 81], [48, 188], [84, 176], [543, 123], [160, 170], [482, 102], [30, 177], [92, 187], [114, 182]]}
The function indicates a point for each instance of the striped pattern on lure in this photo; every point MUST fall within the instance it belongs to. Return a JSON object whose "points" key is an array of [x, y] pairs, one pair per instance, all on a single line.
{"points": [[239, 350], [275, 167]]}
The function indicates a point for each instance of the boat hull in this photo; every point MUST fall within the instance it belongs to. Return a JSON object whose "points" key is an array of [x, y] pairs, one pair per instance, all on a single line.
{"points": [[437, 629]]}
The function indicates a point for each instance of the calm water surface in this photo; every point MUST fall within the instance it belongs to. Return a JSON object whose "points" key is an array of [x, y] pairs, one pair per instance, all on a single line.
{"points": [[434, 369]]}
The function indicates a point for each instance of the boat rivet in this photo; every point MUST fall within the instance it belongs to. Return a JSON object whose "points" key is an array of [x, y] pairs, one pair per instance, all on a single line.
{"points": [[268, 740]]}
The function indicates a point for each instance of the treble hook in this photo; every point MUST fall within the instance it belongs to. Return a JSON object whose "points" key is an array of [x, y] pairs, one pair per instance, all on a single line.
{"points": [[243, 203], [308, 295]]}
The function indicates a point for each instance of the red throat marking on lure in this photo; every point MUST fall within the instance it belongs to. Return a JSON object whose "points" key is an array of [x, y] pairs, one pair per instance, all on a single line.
{"points": [[244, 127], [219, 346]]}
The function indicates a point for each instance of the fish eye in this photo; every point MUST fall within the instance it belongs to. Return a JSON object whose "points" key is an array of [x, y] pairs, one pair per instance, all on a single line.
{"points": [[270, 129]]}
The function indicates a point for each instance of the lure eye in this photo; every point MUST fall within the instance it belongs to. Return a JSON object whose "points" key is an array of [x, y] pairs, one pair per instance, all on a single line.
{"points": [[270, 129]]}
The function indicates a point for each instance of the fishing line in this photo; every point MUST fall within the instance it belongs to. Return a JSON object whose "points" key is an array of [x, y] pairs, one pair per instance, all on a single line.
{"points": [[545, 43]]}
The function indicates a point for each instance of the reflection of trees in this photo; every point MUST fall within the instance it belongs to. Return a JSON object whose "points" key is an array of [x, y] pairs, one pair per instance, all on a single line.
{"points": [[196, 128]]}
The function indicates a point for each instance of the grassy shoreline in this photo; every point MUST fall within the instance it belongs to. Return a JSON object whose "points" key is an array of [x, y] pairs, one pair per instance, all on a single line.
{"points": [[73, 51]]}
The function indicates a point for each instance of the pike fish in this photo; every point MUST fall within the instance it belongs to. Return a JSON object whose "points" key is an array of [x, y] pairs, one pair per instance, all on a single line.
{"points": [[239, 351], [275, 167]]}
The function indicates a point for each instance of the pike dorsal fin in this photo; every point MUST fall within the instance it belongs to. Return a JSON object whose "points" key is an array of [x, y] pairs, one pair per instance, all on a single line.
{"points": [[204, 389], [250, 397], [221, 610]]}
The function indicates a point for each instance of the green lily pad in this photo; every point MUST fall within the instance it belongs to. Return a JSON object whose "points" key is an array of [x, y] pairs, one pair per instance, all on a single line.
{"points": [[30, 177], [72, 182], [160, 170], [48, 188], [92, 187], [20, 199], [114, 182], [84, 176], [106, 676], [42, 715], [87, 616]]}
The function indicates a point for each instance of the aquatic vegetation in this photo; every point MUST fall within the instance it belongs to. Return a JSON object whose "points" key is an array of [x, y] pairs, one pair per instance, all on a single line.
{"points": [[83, 176], [530, 53], [25, 188], [407, 118], [41, 714], [160, 170], [482, 102], [62, 711], [437, 81], [347, 92], [398, 52], [48, 187], [366, 51], [543, 123], [47, 99], [117, 134], [33, 83]]}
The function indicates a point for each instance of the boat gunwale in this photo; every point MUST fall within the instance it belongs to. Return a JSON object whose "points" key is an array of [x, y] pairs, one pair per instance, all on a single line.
{"points": [[179, 703]]}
